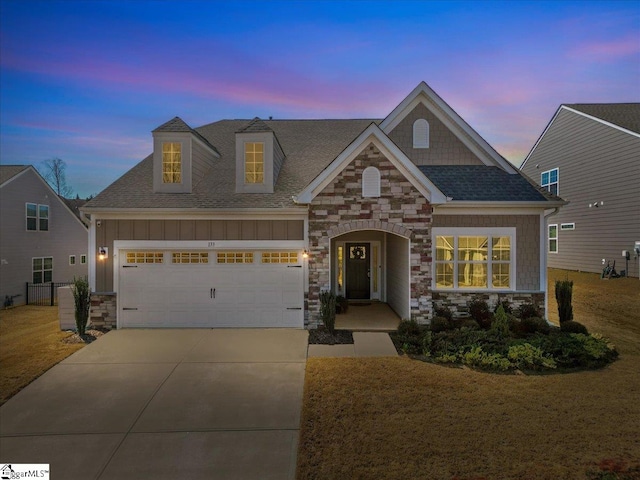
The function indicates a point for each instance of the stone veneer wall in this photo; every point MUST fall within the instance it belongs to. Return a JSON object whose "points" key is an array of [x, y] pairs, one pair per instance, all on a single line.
{"points": [[103, 313], [400, 210], [457, 301]]}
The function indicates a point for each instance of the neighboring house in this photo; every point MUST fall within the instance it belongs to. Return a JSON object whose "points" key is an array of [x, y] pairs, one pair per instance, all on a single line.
{"points": [[41, 239], [589, 154], [245, 222]]}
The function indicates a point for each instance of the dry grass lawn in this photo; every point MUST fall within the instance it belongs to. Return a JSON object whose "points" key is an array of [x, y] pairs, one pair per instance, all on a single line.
{"points": [[30, 344], [396, 418]]}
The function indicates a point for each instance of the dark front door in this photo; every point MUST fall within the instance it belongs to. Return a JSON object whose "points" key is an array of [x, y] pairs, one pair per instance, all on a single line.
{"points": [[358, 271]]}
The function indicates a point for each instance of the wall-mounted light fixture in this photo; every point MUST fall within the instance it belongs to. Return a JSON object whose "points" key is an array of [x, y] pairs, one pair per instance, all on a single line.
{"points": [[103, 253], [98, 223], [305, 253], [596, 204]]}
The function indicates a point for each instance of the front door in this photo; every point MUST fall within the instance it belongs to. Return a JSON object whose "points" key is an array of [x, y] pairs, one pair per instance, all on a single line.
{"points": [[358, 274]]}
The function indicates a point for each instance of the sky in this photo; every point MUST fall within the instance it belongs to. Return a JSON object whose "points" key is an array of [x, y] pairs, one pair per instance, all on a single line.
{"points": [[87, 81]]}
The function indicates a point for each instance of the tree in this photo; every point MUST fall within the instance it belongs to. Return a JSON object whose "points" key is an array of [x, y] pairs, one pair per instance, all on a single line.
{"points": [[53, 171]]}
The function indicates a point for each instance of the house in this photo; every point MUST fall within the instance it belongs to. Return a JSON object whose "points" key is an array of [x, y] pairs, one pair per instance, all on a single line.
{"points": [[41, 239], [243, 223], [589, 154]]}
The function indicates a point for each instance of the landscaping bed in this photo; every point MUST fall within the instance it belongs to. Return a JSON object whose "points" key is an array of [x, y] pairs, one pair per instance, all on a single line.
{"points": [[322, 336]]}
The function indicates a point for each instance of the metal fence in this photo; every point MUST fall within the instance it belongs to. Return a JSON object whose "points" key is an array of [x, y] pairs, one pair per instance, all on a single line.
{"points": [[43, 293]]}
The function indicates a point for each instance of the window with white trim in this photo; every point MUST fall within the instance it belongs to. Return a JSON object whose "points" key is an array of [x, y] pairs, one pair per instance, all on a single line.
{"points": [[72, 259], [371, 182], [37, 217], [83, 259], [553, 238], [171, 162], [421, 133], [145, 257], [42, 269], [189, 257], [279, 257], [549, 180], [254, 162], [477, 259], [234, 257]]}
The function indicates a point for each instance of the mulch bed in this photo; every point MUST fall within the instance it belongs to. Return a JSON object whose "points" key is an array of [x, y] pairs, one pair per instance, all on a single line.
{"points": [[322, 336], [89, 336]]}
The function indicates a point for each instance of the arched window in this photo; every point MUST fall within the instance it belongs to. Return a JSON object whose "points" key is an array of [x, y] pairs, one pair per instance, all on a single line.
{"points": [[371, 182], [421, 133]]}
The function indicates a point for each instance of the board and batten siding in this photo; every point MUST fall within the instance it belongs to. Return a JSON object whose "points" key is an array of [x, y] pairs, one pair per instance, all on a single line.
{"points": [[597, 163], [527, 241], [110, 230]]}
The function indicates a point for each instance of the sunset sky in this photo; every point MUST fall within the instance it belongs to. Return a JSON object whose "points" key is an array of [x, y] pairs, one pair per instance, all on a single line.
{"points": [[87, 81]]}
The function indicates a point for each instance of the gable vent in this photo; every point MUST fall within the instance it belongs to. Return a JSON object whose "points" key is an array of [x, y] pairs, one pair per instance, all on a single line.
{"points": [[421, 133], [371, 182]]}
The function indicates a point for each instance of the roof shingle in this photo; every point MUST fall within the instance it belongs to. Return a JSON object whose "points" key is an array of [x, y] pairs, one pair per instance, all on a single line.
{"points": [[625, 115]]}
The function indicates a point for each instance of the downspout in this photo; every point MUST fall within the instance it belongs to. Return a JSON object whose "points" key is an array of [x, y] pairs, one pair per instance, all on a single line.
{"points": [[543, 258]]}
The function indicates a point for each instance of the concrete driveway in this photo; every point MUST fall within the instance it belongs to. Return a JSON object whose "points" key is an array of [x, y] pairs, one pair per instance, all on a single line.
{"points": [[197, 404]]}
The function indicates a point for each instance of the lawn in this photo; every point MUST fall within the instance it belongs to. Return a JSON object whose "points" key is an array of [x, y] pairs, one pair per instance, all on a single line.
{"points": [[30, 344], [398, 418]]}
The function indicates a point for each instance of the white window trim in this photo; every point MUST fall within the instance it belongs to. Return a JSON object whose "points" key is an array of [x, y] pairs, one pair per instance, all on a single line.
{"points": [[470, 231], [72, 259], [549, 238], [83, 259], [548, 185], [42, 270], [37, 217]]}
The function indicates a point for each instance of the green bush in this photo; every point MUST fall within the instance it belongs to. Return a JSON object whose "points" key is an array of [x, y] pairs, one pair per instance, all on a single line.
{"points": [[573, 327], [82, 301], [500, 323], [440, 324], [564, 289], [527, 310], [577, 350], [506, 306], [531, 325], [410, 337], [469, 323], [409, 327], [443, 312], [476, 357], [480, 312], [328, 310], [527, 357]]}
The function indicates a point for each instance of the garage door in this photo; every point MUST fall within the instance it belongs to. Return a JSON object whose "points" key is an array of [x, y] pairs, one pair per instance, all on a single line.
{"points": [[185, 288]]}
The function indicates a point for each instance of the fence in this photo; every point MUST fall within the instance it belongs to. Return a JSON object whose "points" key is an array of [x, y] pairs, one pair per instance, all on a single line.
{"points": [[43, 293]]}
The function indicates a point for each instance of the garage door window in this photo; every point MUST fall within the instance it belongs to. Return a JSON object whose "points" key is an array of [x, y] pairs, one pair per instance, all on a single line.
{"points": [[279, 257], [189, 257], [145, 257], [235, 257]]}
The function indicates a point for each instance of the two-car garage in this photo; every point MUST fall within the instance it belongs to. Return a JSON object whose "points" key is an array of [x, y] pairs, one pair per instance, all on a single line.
{"points": [[183, 287]]}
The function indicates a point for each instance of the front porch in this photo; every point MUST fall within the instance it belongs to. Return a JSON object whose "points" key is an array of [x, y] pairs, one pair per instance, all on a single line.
{"points": [[368, 317]]}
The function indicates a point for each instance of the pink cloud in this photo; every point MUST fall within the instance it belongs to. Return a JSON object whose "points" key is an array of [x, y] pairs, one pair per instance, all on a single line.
{"points": [[608, 51]]}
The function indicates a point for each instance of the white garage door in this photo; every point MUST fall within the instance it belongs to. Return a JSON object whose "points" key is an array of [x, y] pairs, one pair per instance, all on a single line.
{"points": [[185, 288]]}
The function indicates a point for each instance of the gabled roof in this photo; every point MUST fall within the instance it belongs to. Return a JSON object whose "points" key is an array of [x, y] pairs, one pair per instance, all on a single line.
{"points": [[255, 125], [483, 184], [436, 105], [373, 134], [625, 115], [7, 172], [177, 125]]}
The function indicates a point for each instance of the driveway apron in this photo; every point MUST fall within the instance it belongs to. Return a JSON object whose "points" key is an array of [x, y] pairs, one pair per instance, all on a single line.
{"points": [[198, 404]]}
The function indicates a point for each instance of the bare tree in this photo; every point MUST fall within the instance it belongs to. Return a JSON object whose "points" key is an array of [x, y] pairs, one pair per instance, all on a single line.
{"points": [[53, 171]]}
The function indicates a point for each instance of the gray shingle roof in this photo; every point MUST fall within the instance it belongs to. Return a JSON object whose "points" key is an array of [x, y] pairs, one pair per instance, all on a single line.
{"points": [[255, 125], [310, 146], [482, 184], [7, 172], [176, 124], [625, 115]]}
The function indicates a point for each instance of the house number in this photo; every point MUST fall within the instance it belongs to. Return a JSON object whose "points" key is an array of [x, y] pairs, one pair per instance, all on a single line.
{"points": [[211, 244]]}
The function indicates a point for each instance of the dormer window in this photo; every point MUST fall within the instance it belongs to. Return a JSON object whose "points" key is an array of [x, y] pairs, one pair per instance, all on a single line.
{"points": [[421, 133], [171, 162], [254, 162]]}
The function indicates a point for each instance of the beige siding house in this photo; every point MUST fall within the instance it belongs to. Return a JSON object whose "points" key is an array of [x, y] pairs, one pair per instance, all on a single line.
{"points": [[415, 210], [41, 239], [589, 154]]}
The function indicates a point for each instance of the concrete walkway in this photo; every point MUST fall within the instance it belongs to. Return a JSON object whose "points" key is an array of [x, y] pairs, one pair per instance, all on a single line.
{"points": [[165, 404], [365, 344]]}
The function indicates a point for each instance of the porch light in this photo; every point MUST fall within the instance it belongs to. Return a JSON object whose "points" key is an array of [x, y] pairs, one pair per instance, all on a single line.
{"points": [[305, 253], [103, 253]]}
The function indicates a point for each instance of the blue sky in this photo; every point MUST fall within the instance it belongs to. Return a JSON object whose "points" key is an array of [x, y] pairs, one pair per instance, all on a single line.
{"points": [[87, 81]]}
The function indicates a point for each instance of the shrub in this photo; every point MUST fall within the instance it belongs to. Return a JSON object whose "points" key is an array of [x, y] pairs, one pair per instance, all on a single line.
{"points": [[531, 325], [577, 350], [411, 337], [440, 324], [528, 310], [328, 310], [479, 311], [500, 323], [469, 323], [444, 312], [573, 327], [564, 289], [506, 306], [476, 357], [82, 301], [409, 327], [526, 356]]}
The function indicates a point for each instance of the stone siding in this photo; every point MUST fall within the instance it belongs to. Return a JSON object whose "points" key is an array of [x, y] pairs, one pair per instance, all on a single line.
{"points": [[457, 301], [103, 312], [400, 210]]}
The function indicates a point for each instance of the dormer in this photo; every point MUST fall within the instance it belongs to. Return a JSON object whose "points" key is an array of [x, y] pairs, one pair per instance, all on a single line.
{"points": [[259, 158], [181, 157]]}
